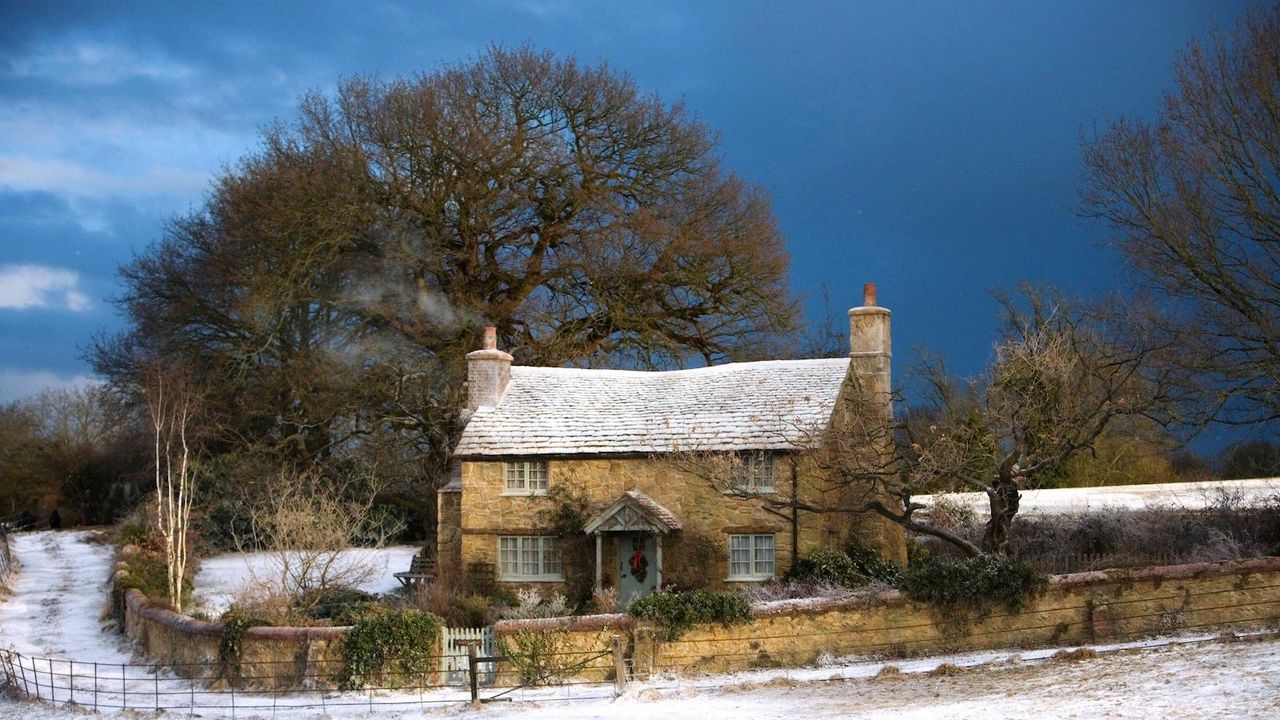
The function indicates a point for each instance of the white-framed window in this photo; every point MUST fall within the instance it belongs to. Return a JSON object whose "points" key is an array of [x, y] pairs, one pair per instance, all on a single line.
{"points": [[750, 557], [529, 558], [525, 477], [751, 473]]}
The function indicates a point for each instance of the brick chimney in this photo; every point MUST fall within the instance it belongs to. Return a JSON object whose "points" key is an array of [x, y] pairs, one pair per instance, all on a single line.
{"points": [[488, 372]]}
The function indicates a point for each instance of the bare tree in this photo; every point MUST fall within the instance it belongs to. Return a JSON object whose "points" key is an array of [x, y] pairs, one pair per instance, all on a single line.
{"points": [[334, 281], [309, 525], [173, 405], [1059, 380], [1194, 200]]}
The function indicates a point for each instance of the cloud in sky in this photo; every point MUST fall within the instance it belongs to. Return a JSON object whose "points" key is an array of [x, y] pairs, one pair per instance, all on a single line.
{"points": [[24, 287], [97, 63], [15, 383]]}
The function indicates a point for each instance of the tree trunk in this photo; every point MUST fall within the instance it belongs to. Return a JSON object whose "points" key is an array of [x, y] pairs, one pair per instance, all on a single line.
{"points": [[1004, 498]]}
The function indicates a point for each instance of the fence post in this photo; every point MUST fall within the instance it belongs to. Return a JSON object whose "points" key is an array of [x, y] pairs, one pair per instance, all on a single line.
{"points": [[619, 667], [473, 669]]}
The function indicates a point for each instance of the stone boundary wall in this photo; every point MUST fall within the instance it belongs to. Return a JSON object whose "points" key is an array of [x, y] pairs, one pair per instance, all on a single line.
{"points": [[6, 558], [271, 658], [1082, 608], [1088, 607]]}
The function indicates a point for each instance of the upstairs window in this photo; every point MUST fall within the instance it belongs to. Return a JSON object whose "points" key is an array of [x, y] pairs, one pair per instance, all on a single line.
{"points": [[525, 477], [751, 473]]}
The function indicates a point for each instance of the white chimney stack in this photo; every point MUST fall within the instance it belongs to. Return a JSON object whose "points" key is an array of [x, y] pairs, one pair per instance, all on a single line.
{"points": [[488, 372], [870, 345]]}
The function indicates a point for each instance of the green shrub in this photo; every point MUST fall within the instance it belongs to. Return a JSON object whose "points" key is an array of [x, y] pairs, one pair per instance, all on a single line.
{"points": [[542, 656], [675, 613], [339, 605], [869, 563], [832, 567], [1007, 580], [134, 533], [235, 621], [917, 553], [384, 647], [472, 611]]}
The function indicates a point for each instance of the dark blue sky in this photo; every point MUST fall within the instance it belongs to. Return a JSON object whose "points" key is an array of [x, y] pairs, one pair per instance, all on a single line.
{"points": [[930, 147]]}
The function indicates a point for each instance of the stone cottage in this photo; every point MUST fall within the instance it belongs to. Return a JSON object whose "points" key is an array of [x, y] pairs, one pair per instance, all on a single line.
{"points": [[634, 445]]}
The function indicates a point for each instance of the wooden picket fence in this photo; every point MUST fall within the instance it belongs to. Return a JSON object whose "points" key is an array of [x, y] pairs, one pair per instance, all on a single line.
{"points": [[453, 653]]}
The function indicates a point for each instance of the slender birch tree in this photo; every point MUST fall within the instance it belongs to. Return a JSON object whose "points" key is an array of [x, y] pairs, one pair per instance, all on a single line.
{"points": [[172, 404]]}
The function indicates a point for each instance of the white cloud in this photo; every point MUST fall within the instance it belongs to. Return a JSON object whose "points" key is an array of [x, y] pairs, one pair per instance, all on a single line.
{"points": [[15, 383], [97, 63], [40, 286], [71, 179]]}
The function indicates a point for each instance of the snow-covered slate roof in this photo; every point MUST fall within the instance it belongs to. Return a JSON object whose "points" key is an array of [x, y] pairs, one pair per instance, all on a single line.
{"points": [[771, 405]]}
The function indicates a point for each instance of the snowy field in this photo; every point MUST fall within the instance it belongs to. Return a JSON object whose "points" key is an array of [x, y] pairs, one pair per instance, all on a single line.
{"points": [[221, 577], [1187, 496], [59, 593]]}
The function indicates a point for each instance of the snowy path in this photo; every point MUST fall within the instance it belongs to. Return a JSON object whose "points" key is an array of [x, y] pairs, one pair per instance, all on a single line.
{"points": [[58, 600]]}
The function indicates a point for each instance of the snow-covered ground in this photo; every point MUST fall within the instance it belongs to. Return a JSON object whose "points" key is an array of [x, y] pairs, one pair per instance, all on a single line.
{"points": [[222, 577], [59, 591], [58, 599], [1190, 496]]}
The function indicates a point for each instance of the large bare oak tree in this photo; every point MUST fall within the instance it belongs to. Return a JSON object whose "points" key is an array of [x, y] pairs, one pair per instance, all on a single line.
{"points": [[330, 286]]}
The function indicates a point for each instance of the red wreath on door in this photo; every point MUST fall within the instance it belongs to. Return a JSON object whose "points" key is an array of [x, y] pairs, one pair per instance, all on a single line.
{"points": [[639, 565]]}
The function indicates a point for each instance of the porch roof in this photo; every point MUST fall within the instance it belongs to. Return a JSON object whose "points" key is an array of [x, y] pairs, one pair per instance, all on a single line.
{"points": [[634, 512]]}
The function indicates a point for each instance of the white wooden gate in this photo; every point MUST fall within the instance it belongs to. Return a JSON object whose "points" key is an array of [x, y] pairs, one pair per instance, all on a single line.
{"points": [[453, 652]]}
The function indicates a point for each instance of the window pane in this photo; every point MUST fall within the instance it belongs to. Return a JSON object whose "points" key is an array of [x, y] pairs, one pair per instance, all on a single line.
{"points": [[739, 555], [529, 564], [763, 555], [550, 556], [537, 474], [764, 472], [508, 556], [515, 476]]}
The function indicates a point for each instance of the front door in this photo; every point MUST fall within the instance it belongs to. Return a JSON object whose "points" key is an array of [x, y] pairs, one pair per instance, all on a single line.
{"points": [[637, 566]]}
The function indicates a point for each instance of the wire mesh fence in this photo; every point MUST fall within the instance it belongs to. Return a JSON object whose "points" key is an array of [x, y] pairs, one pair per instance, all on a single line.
{"points": [[187, 689]]}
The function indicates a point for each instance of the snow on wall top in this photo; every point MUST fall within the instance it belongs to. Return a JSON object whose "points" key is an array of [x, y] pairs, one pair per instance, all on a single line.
{"points": [[771, 405]]}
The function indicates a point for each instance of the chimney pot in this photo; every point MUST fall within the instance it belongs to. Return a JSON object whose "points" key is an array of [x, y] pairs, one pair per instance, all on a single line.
{"points": [[491, 336], [869, 295]]}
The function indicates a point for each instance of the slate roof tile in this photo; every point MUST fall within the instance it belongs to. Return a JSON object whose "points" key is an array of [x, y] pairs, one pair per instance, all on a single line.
{"points": [[770, 405]]}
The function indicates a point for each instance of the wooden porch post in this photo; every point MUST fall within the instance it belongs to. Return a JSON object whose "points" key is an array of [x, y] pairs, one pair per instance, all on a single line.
{"points": [[599, 561], [658, 558]]}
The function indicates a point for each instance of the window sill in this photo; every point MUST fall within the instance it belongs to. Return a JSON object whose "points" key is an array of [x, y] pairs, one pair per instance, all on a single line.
{"points": [[531, 578], [748, 578], [524, 493], [750, 492]]}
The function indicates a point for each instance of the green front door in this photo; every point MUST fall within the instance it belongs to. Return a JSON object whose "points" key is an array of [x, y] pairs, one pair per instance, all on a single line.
{"points": [[637, 566]]}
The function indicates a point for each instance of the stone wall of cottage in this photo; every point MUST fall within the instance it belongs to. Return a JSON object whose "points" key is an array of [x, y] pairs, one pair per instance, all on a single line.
{"points": [[697, 555]]}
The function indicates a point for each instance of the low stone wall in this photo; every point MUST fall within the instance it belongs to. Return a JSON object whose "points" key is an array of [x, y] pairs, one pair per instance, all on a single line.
{"points": [[271, 658], [6, 558], [1075, 609], [578, 647]]}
